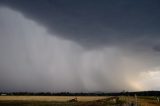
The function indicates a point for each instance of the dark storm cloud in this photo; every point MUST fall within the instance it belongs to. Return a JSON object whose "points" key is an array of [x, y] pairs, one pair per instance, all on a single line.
{"points": [[79, 45], [95, 22]]}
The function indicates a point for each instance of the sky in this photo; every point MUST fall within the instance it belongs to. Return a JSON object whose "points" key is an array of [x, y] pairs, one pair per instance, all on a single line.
{"points": [[79, 45]]}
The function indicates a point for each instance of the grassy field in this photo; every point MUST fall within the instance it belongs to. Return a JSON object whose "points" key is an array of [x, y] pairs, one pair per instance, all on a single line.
{"points": [[148, 101], [142, 100], [82, 101], [49, 98], [53, 101]]}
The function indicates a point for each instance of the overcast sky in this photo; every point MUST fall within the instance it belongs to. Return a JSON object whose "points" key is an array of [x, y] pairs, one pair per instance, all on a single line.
{"points": [[79, 45]]}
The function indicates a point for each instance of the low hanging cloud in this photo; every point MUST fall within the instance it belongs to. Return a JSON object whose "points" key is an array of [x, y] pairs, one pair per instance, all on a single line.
{"points": [[35, 56], [96, 23]]}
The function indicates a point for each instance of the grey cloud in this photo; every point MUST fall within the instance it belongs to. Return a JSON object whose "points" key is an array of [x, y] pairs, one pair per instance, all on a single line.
{"points": [[45, 45], [95, 23]]}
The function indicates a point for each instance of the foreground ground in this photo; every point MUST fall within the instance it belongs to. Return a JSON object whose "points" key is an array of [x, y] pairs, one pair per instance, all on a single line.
{"points": [[50, 98], [82, 101]]}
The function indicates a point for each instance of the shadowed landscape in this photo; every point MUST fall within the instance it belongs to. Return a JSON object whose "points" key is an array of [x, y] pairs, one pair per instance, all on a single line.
{"points": [[147, 98], [81, 101]]}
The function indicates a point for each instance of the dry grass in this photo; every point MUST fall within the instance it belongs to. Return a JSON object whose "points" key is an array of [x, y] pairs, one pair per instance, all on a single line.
{"points": [[56, 101], [142, 101], [61, 100], [49, 98], [148, 102]]}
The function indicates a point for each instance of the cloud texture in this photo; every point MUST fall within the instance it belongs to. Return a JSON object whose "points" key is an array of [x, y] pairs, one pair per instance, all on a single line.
{"points": [[79, 46]]}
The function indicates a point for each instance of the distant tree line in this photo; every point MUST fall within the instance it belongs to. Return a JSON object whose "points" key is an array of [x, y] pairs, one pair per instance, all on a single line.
{"points": [[124, 93]]}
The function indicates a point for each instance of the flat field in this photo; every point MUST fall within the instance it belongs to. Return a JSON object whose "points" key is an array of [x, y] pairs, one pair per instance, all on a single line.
{"points": [[82, 101], [50, 98], [142, 100]]}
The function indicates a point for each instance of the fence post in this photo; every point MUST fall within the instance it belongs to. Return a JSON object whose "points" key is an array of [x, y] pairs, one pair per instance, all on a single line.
{"points": [[135, 99]]}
